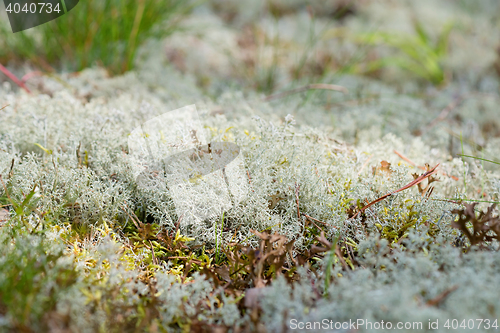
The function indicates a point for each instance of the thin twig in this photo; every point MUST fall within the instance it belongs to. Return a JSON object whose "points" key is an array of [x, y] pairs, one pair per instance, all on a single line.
{"points": [[29, 75], [249, 179], [11, 168], [350, 253], [408, 160], [5, 188], [297, 187], [186, 258], [458, 201], [364, 165], [439, 298], [341, 257], [137, 225], [445, 112], [14, 78], [155, 262], [178, 222], [313, 219], [313, 86], [78, 154], [3, 107], [428, 193], [421, 167], [317, 226]]}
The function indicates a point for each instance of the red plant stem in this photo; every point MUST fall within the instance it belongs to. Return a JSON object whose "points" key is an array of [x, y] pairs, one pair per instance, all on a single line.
{"points": [[407, 186], [297, 187], [14, 78], [29, 75], [408, 160]]}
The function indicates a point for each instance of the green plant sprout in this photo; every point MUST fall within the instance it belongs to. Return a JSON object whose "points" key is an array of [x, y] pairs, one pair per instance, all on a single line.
{"points": [[420, 55]]}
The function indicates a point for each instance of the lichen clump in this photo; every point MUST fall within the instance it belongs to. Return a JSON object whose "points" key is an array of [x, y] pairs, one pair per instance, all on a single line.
{"points": [[359, 189]]}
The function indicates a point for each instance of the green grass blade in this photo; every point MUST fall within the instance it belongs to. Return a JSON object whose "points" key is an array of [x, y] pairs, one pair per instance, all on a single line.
{"points": [[479, 158]]}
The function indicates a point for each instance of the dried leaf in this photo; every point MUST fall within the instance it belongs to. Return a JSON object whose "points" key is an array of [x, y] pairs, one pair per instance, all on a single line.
{"points": [[485, 226], [384, 168]]}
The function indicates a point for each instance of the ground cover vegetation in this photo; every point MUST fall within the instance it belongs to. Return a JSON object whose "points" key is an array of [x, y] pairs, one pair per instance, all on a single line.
{"points": [[370, 135]]}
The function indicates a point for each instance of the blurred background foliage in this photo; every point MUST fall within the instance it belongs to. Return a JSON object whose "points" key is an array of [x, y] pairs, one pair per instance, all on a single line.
{"points": [[104, 33], [272, 43]]}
